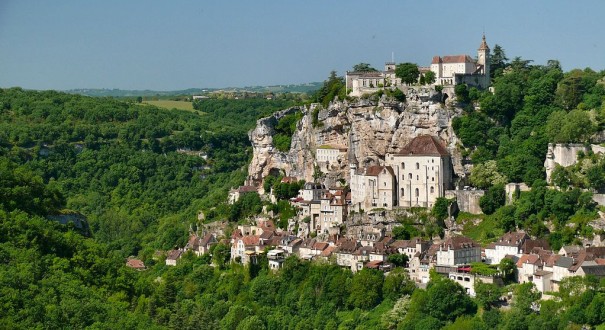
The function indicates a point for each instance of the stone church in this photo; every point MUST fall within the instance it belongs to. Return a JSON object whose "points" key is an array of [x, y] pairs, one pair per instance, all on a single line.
{"points": [[413, 177]]}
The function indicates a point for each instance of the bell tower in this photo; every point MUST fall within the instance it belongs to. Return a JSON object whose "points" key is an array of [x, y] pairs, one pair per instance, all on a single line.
{"points": [[483, 58]]}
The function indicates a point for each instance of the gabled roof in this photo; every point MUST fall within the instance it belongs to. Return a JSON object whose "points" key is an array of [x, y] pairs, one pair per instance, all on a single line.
{"points": [[209, 238], [528, 259], [530, 244], [512, 239], [328, 251], [174, 254], [376, 170], [320, 246], [424, 145], [251, 240], [452, 59], [458, 242]]}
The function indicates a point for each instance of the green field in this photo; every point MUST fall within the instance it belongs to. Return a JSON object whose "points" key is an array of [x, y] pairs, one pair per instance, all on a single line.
{"points": [[169, 104]]}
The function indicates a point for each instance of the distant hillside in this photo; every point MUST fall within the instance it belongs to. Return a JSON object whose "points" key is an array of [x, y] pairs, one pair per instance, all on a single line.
{"points": [[101, 92]]}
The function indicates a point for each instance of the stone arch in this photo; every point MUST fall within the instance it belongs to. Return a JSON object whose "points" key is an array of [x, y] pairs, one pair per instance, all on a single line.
{"points": [[444, 97]]}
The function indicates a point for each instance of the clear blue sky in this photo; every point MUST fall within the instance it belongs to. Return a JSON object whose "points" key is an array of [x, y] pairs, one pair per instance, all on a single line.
{"points": [[169, 45]]}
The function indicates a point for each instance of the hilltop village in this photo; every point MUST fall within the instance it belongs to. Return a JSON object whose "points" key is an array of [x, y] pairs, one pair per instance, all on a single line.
{"points": [[372, 170]]}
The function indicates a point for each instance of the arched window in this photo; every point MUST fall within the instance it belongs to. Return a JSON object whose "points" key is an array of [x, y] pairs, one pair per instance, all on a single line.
{"points": [[410, 176], [403, 166], [417, 192], [432, 190], [402, 192], [417, 166]]}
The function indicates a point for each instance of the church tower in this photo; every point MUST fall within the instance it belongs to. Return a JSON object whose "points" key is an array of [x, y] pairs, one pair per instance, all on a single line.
{"points": [[483, 58]]}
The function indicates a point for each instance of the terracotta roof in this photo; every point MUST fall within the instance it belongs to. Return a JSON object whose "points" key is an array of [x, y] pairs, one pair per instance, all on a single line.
{"points": [[552, 260], [425, 145], [251, 240], [376, 170], [237, 234], [528, 259], [373, 264], [436, 60], [320, 246], [328, 251]]}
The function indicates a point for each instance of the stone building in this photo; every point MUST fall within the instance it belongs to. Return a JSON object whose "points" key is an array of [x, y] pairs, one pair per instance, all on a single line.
{"points": [[423, 172], [374, 187], [463, 69], [329, 157], [449, 70], [367, 82]]}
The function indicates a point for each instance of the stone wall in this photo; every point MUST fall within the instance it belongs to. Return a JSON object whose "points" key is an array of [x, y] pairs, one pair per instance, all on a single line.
{"points": [[561, 154], [467, 200], [512, 191]]}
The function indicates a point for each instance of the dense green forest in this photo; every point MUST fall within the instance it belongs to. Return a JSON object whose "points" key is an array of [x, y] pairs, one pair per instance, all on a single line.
{"points": [[117, 162]]}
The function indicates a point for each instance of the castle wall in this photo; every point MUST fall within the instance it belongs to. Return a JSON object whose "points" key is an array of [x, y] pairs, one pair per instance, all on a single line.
{"points": [[467, 200]]}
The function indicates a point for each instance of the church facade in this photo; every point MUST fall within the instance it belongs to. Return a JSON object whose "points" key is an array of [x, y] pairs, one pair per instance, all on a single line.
{"points": [[413, 177]]}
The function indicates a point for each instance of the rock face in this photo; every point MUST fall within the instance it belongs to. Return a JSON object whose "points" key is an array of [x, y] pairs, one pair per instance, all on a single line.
{"points": [[369, 129]]}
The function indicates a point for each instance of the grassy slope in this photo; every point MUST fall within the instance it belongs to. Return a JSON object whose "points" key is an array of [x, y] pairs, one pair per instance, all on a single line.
{"points": [[169, 104]]}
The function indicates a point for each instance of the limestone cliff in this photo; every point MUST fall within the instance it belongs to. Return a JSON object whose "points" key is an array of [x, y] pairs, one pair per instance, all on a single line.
{"points": [[369, 129]]}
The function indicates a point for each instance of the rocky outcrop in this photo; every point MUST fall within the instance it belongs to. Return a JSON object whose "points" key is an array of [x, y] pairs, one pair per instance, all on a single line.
{"points": [[369, 129]]}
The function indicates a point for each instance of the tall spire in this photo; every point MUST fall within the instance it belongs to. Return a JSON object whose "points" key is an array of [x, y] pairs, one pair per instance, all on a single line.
{"points": [[484, 45]]}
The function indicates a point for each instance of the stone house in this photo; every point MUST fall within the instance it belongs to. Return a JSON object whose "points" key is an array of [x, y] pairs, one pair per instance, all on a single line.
{"points": [[332, 212], [458, 250], [173, 256], [510, 243], [421, 264], [345, 248], [373, 188], [367, 82]]}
